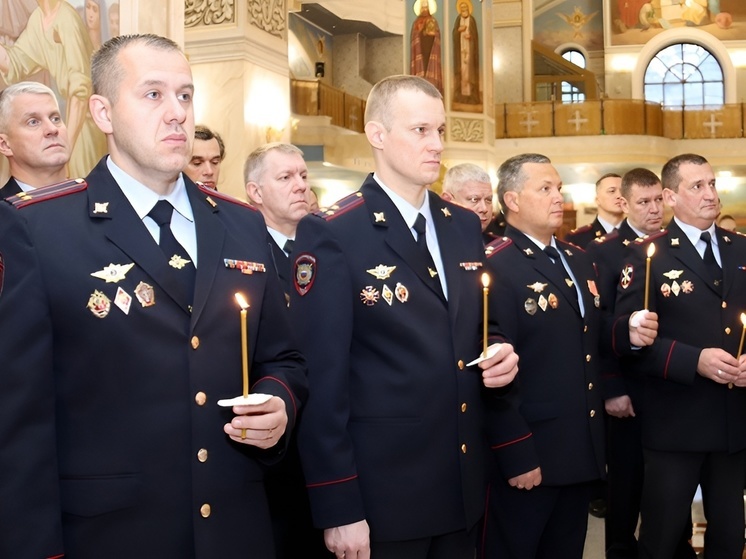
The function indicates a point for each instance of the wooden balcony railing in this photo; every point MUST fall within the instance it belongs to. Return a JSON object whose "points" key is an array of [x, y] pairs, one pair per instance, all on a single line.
{"points": [[315, 98], [617, 116], [550, 118]]}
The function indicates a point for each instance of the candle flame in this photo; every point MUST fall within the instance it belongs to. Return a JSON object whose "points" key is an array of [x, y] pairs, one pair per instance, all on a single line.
{"points": [[743, 319], [651, 250], [242, 302], [486, 280]]}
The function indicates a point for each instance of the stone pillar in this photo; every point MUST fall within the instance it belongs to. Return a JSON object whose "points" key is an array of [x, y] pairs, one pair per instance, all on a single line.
{"points": [[238, 53]]}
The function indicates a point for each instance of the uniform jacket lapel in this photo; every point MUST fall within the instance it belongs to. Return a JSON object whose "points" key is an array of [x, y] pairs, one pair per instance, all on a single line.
{"points": [[543, 265], [684, 251], [449, 242], [395, 231], [210, 237], [727, 256], [123, 227]]}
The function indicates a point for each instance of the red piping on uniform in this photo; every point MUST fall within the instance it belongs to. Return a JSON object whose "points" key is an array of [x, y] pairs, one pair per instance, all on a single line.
{"points": [[668, 360], [523, 438], [324, 483]]}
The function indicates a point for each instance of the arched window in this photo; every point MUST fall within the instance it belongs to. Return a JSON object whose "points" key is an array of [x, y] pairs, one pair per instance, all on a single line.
{"points": [[684, 75], [570, 93]]}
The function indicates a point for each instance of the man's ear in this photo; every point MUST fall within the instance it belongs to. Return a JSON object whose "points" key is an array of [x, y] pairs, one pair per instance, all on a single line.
{"points": [[376, 133], [254, 193], [101, 112], [5, 148], [669, 197], [511, 201], [447, 196]]}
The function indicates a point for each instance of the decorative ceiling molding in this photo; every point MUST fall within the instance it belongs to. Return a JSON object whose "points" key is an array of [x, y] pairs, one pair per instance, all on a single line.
{"points": [[208, 12], [269, 16]]}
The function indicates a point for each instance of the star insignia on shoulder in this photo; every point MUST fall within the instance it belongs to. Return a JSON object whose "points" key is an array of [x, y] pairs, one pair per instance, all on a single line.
{"points": [[178, 262], [379, 217], [381, 271], [568, 252], [446, 212], [726, 239], [528, 251], [433, 273], [675, 242], [113, 273], [674, 274], [626, 242], [101, 207]]}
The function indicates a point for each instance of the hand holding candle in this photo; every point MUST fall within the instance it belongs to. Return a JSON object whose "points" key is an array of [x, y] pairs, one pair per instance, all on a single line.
{"points": [[651, 252], [485, 292], [743, 333]]}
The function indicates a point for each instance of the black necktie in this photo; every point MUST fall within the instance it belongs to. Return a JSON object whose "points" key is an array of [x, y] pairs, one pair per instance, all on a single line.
{"points": [[420, 227], [715, 271], [568, 284], [288, 246], [178, 258]]}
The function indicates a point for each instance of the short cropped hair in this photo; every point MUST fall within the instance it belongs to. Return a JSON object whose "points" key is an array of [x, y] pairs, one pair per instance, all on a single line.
{"points": [[670, 177], [511, 177], [203, 133], [458, 175], [253, 168], [378, 106], [106, 70], [640, 177], [10, 93], [607, 176]]}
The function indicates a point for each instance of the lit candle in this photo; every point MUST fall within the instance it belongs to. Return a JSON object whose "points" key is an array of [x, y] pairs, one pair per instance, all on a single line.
{"points": [[244, 348], [651, 252], [743, 332], [244, 343], [485, 293]]}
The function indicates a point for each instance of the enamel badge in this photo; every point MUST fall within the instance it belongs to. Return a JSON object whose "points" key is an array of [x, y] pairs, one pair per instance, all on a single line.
{"points": [[145, 294], [553, 301], [99, 304], [178, 262], [401, 292], [123, 300], [304, 273], [537, 287], [387, 294], [369, 296], [626, 278], [113, 273], [530, 306], [381, 272]]}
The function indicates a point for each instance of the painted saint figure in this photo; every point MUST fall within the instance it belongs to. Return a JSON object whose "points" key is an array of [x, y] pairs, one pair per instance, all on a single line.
{"points": [[425, 53], [56, 39], [466, 56]]}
